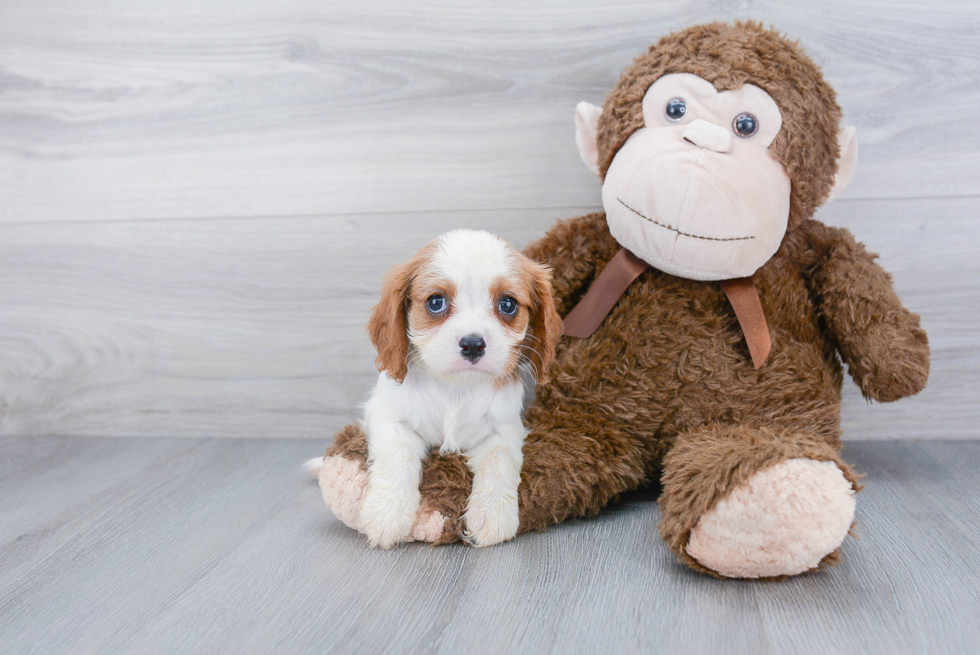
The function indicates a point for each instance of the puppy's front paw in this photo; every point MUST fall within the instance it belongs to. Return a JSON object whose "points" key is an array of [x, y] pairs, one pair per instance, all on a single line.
{"points": [[387, 516], [491, 518]]}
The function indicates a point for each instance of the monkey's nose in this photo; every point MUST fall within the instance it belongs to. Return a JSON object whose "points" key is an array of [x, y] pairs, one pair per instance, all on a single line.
{"points": [[472, 347], [707, 135]]}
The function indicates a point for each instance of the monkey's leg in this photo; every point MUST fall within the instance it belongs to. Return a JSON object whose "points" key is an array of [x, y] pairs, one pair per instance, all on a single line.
{"points": [[745, 502], [344, 480], [576, 460]]}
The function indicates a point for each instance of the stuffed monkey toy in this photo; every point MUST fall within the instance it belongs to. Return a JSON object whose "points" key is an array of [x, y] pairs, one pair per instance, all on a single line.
{"points": [[706, 317]]}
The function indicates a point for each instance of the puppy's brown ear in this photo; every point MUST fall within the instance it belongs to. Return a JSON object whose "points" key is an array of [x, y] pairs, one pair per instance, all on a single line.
{"points": [[545, 326], [388, 325]]}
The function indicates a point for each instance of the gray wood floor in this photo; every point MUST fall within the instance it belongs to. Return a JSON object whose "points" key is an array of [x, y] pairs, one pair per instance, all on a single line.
{"points": [[224, 546]]}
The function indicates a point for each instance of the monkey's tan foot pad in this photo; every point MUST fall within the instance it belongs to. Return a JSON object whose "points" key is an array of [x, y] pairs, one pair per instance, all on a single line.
{"points": [[783, 521], [344, 482]]}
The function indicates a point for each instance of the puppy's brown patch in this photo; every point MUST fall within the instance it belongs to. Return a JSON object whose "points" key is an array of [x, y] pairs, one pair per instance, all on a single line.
{"points": [[388, 326], [420, 319], [514, 287], [544, 324]]}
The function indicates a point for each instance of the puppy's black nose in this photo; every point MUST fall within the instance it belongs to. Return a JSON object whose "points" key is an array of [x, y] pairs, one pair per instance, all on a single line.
{"points": [[472, 347]]}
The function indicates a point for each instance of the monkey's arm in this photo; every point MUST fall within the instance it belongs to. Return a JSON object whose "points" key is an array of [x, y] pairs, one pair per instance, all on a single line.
{"points": [[576, 250], [886, 350]]}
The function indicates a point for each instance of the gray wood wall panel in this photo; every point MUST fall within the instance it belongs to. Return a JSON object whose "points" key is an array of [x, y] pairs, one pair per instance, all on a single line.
{"points": [[255, 327], [198, 200], [290, 107]]}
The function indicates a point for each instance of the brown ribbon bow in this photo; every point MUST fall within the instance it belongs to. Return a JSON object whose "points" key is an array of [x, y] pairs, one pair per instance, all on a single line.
{"points": [[586, 317]]}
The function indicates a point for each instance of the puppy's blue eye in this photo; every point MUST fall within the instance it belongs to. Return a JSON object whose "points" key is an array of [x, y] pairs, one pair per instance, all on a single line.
{"points": [[676, 108], [436, 304], [507, 305]]}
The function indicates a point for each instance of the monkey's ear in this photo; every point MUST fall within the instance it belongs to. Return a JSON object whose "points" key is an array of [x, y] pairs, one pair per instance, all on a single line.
{"points": [[846, 161], [586, 128]]}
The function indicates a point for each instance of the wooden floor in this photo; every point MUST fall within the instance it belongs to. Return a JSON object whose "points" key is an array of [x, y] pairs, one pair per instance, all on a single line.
{"points": [[224, 546]]}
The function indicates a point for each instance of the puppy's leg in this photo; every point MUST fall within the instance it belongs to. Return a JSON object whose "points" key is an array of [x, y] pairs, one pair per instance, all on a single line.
{"points": [[394, 472], [492, 512]]}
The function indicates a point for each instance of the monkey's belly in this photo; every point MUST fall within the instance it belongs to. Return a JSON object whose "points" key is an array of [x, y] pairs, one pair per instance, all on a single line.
{"points": [[673, 358]]}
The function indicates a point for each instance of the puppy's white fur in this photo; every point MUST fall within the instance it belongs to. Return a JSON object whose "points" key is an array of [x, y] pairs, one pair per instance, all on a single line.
{"points": [[405, 421], [449, 402]]}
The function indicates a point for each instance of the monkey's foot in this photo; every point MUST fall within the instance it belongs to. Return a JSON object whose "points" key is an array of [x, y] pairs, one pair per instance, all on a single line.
{"points": [[783, 521], [344, 484]]}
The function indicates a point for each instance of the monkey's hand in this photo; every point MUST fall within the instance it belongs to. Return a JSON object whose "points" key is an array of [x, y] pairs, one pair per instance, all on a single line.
{"points": [[886, 350], [576, 250]]}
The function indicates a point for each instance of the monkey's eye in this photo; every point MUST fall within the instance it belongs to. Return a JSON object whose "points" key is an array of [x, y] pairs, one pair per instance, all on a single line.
{"points": [[676, 108], [507, 306], [436, 304], [745, 125]]}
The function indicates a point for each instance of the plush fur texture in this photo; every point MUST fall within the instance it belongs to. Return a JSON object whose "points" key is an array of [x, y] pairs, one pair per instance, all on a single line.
{"points": [[729, 56], [343, 483], [710, 465], [342, 474], [784, 518], [666, 387], [690, 197]]}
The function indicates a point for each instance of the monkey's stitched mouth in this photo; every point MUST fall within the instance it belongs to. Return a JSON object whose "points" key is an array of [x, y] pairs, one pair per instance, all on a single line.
{"points": [[674, 229]]}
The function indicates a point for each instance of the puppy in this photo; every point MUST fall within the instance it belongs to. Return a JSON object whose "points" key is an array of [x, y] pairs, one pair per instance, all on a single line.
{"points": [[453, 330]]}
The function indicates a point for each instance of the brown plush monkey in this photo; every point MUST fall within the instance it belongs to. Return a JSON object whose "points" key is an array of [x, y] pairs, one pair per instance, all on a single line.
{"points": [[710, 311]]}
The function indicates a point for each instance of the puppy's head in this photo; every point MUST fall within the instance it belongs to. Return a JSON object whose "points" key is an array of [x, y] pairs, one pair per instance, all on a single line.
{"points": [[467, 306]]}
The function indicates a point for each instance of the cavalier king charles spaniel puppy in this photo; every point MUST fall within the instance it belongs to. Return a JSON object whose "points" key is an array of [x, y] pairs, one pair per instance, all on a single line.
{"points": [[454, 328]]}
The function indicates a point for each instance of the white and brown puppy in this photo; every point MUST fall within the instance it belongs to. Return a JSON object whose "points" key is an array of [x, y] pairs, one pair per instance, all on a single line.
{"points": [[454, 327]]}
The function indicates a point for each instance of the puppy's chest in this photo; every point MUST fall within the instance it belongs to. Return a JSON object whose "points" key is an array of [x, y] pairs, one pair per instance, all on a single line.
{"points": [[457, 429], [455, 421]]}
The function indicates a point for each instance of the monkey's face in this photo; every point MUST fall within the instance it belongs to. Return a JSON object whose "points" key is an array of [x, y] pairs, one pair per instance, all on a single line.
{"points": [[695, 191]]}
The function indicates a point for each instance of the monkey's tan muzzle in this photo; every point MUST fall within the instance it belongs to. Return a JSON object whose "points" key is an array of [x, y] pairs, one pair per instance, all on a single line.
{"points": [[705, 134]]}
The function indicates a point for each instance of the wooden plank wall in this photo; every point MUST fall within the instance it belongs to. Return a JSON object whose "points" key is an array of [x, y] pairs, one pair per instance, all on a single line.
{"points": [[198, 200]]}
